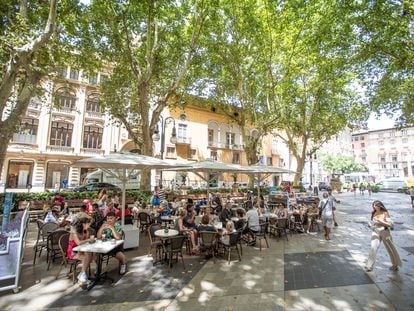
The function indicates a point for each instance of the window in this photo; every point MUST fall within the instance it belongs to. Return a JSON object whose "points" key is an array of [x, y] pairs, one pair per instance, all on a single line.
{"points": [[104, 78], [182, 131], [383, 165], [92, 137], [63, 72], [392, 141], [27, 133], [274, 146], [405, 140], [210, 137], [381, 142], [56, 174], [213, 155], [236, 158], [269, 161], [19, 174], [382, 159], [362, 145], [65, 100], [392, 134], [74, 74], [362, 137], [395, 165], [230, 138], [92, 104], [394, 158], [61, 134], [171, 152], [364, 159], [192, 154], [404, 133], [93, 78]]}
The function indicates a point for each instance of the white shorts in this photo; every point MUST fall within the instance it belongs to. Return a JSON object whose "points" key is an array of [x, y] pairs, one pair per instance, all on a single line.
{"points": [[327, 222]]}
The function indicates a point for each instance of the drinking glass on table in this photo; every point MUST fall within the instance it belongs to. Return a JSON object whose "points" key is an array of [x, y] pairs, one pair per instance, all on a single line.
{"points": [[103, 237]]}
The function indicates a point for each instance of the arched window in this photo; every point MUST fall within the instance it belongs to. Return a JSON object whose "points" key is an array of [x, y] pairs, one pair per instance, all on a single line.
{"points": [[92, 137], [65, 99], [61, 134], [92, 103]]}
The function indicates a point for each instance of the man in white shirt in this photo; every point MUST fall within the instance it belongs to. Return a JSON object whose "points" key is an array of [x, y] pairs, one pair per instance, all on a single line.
{"points": [[327, 214], [253, 223], [332, 200]]}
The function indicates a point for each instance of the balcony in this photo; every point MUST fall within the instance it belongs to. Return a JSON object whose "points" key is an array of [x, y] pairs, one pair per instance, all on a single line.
{"points": [[91, 151], [223, 145], [64, 110], [24, 138], [60, 149], [94, 115], [184, 140]]}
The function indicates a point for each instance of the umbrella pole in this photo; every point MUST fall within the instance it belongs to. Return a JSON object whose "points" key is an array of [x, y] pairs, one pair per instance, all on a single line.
{"points": [[123, 198]]}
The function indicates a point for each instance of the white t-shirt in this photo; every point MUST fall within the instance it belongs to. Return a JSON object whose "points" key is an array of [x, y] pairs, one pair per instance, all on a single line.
{"points": [[253, 219], [327, 211]]}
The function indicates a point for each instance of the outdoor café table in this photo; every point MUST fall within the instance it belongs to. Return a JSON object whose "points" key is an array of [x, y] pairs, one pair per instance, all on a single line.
{"points": [[167, 219], [165, 235], [100, 248]]}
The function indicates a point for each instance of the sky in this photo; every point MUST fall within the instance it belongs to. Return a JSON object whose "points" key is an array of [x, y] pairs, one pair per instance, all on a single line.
{"points": [[382, 123]]}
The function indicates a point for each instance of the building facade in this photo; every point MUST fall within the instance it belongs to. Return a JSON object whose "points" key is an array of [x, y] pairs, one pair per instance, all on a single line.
{"points": [[387, 153], [68, 124]]}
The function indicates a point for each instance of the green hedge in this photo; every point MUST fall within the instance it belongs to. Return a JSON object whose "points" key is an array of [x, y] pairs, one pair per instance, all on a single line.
{"points": [[136, 195], [375, 188]]}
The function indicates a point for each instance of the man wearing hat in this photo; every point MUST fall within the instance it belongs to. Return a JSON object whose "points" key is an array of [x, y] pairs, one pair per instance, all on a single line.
{"points": [[163, 209]]}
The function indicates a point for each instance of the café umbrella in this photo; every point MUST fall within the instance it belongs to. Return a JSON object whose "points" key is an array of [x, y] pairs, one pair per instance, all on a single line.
{"points": [[119, 164]]}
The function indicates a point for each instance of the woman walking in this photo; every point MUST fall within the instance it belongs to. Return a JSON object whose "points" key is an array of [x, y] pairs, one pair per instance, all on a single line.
{"points": [[381, 224]]}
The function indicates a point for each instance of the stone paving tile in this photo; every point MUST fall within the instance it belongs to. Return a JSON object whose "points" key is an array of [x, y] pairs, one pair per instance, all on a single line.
{"points": [[257, 301], [143, 282], [347, 298], [409, 249], [325, 269]]}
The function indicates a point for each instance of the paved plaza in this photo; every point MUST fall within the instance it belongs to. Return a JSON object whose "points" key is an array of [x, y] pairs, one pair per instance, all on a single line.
{"points": [[304, 273]]}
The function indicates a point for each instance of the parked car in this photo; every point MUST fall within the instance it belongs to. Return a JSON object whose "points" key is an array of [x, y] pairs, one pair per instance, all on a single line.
{"points": [[97, 186], [392, 184], [323, 186]]}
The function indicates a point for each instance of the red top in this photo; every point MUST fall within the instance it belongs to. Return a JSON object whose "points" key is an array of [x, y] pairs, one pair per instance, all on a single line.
{"points": [[118, 214], [72, 244]]}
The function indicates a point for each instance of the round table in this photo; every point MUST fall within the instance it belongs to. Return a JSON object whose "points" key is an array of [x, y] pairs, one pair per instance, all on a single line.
{"points": [[169, 234]]}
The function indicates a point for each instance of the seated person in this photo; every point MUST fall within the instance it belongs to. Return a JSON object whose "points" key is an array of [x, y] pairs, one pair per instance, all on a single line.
{"points": [[112, 230], [226, 214], [88, 206], [205, 225], [225, 234], [109, 208], [253, 223], [187, 231], [51, 216], [282, 213], [79, 234], [229, 199], [216, 204], [189, 220], [239, 224], [118, 213], [209, 213], [313, 214], [163, 210], [97, 217]]}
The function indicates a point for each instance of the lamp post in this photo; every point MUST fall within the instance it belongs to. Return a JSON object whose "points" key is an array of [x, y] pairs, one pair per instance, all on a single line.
{"points": [[311, 156], [156, 136]]}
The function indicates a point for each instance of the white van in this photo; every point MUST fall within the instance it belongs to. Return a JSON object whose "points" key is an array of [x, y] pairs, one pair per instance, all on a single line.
{"points": [[392, 184], [101, 176]]}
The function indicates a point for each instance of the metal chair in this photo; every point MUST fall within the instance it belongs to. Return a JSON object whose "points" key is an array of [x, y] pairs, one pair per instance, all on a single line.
{"points": [[144, 221], [262, 234], [53, 249], [155, 242], [63, 247], [41, 241], [234, 243], [280, 228], [208, 243], [174, 247]]}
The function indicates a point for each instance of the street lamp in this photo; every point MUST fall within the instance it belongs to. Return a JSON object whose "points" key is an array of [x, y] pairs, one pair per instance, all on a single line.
{"points": [[311, 156], [156, 136]]}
